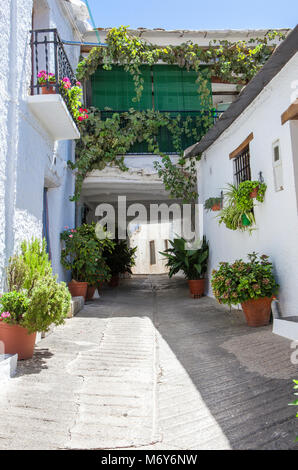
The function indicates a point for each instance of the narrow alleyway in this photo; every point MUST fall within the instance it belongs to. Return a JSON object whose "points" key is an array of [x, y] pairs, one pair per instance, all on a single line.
{"points": [[145, 366]]}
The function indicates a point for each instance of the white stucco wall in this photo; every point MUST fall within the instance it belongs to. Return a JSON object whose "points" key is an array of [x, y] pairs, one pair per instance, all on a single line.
{"points": [[276, 218], [29, 159]]}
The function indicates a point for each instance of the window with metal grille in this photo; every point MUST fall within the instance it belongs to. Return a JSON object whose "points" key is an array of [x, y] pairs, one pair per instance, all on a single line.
{"points": [[242, 167]]}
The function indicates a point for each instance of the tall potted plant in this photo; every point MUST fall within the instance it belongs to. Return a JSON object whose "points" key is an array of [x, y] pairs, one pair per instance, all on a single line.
{"points": [[34, 300], [192, 262], [120, 260], [82, 254], [251, 284]]}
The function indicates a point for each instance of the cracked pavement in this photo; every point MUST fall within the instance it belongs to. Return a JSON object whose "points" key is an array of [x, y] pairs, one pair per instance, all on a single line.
{"points": [[148, 367]]}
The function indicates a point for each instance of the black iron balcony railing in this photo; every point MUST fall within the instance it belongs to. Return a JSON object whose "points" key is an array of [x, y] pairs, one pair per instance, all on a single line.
{"points": [[48, 55], [198, 124]]}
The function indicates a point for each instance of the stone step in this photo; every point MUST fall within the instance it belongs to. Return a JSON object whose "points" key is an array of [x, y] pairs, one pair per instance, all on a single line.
{"points": [[8, 366], [287, 327]]}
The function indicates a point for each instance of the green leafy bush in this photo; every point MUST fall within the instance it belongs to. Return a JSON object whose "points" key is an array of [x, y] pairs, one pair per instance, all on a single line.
{"points": [[14, 306], [83, 254], [49, 304], [121, 258], [35, 299], [193, 263], [240, 281]]}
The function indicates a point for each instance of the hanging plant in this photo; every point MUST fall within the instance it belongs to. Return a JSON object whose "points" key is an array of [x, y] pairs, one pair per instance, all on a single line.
{"points": [[213, 204], [237, 214]]}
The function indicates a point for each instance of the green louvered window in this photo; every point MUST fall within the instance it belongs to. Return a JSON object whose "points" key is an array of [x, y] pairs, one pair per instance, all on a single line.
{"points": [[166, 88]]}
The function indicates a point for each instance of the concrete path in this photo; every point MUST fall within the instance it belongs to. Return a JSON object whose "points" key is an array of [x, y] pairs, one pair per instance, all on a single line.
{"points": [[148, 367]]}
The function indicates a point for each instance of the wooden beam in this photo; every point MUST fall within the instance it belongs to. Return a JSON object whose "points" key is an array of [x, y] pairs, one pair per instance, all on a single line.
{"points": [[242, 146], [291, 113]]}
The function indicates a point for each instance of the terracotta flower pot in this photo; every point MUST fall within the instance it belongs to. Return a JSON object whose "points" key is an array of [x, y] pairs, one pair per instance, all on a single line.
{"points": [[114, 282], [257, 311], [90, 292], [196, 288], [78, 289], [50, 90], [254, 192], [216, 207], [17, 340]]}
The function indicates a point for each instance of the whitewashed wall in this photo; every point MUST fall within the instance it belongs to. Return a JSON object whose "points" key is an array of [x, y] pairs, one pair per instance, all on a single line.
{"points": [[276, 218], [29, 159]]}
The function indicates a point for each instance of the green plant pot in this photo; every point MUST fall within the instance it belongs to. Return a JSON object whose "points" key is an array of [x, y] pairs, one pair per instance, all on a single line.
{"points": [[245, 220]]}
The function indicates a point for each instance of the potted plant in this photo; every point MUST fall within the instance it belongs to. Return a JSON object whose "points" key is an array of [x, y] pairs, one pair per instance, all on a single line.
{"points": [[250, 190], [35, 300], [236, 214], [192, 262], [120, 260], [47, 81], [82, 254], [213, 204], [252, 284]]}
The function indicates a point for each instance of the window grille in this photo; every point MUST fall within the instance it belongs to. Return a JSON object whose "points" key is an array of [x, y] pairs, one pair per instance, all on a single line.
{"points": [[242, 167]]}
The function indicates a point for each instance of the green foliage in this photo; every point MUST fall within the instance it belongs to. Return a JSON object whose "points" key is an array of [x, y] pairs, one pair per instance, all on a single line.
{"points": [[237, 213], [242, 195], [295, 402], [211, 202], [121, 258], [232, 61], [240, 281], [36, 262], [16, 273], [105, 142], [192, 262], [35, 299], [49, 304], [83, 254], [16, 305]]}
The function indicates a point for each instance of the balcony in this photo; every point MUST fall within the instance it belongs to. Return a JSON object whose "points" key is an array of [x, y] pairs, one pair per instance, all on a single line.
{"points": [[196, 124], [47, 101]]}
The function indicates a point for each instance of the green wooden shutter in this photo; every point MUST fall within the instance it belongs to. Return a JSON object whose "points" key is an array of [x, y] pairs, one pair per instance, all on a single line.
{"points": [[115, 89]]}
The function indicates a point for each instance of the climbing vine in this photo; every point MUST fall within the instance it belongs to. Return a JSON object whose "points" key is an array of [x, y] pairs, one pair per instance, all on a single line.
{"points": [[106, 141]]}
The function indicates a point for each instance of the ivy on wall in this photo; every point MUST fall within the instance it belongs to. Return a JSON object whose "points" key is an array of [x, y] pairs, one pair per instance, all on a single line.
{"points": [[105, 142]]}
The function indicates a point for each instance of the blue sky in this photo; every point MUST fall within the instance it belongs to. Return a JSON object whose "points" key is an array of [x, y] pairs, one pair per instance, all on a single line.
{"points": [[196, 14]]}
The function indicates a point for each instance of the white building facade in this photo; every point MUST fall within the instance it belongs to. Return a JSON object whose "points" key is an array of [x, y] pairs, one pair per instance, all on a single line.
{"points": [[35, 183], [273, 151]]}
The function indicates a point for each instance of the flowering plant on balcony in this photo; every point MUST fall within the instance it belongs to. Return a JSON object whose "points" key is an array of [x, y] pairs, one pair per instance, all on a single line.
{"points": [[43, 77], [73, 96]]}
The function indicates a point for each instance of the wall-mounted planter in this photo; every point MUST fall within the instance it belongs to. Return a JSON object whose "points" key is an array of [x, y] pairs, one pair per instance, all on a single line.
{"points": [[254, 193], [51, 111], [245, 220]]}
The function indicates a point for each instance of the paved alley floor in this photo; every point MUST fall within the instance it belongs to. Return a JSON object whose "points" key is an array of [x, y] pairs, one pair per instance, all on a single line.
{"points": [[148, 367]]}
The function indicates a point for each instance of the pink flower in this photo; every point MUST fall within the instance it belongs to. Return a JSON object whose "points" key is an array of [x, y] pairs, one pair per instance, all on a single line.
{"points": [[5, 315], [78, 83], [80, 118], [70, 236]]}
